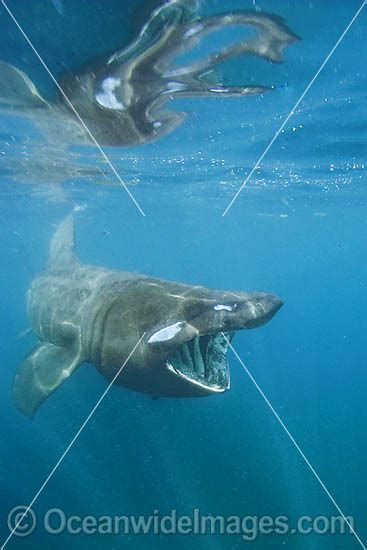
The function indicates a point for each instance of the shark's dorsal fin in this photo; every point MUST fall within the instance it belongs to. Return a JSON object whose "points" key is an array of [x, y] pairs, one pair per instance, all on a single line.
{"points": [[62, 249]]}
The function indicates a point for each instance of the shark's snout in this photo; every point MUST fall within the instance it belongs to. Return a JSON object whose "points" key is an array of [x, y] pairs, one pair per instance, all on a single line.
{"points": [[259, 308], [231, 311]]}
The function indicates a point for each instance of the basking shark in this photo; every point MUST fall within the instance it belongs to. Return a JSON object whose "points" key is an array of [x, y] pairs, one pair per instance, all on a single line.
{"points": [[82, 313], [121, 97]]}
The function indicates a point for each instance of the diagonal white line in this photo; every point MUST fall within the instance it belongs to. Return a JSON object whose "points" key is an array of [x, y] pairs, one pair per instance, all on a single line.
{"points": [[295, 443], [291, 113], [71, 444], [123, 184]]}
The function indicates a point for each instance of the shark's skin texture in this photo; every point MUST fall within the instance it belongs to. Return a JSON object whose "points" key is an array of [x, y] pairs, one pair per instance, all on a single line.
{"points": [[83, 313], [121, 98]]}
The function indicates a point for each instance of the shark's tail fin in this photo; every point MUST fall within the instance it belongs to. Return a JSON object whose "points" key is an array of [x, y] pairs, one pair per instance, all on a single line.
{"points": [[62, 248]]}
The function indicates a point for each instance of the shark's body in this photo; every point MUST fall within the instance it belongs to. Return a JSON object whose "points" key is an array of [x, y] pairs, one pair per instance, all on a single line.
{"points": [[89, 314], [120, 99]]}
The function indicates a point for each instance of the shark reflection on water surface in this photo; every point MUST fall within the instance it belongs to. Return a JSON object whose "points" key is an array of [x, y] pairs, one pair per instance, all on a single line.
{"points": [[121, 98]]}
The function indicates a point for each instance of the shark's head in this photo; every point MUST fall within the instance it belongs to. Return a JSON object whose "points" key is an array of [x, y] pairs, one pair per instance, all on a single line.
{"points": [[195, 348], [188, 330]]}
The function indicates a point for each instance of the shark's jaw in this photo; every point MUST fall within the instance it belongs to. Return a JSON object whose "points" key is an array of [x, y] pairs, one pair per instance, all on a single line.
{"points": [[190, 354], [202, 362]]}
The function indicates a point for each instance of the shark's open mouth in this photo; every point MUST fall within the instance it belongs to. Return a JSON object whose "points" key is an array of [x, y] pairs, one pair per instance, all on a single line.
{"points": [[203, 361]]}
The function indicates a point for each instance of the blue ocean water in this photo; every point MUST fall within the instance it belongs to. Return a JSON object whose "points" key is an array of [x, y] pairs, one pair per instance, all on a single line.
{"points": [[297, 229]]}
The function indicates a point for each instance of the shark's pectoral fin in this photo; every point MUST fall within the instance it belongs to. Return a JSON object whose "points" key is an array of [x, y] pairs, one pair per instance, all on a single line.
{"points": [[41, 374], [17, 90]]}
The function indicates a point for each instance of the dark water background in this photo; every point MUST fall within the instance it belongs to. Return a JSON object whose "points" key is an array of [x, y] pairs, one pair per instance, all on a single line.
{"points": [[298, 229]]}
